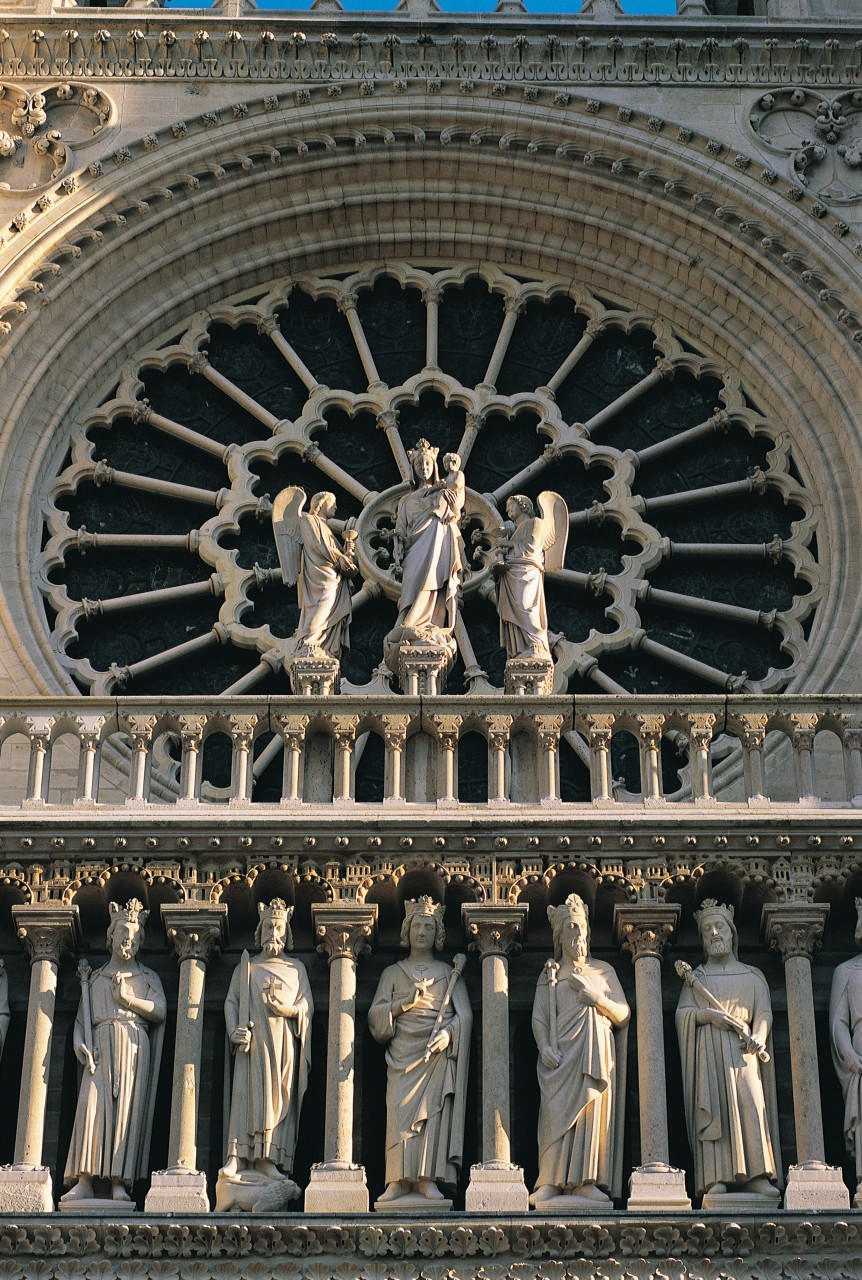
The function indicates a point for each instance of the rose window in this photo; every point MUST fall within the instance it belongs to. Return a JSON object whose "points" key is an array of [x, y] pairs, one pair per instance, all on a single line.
{"points": [[691, 559]]}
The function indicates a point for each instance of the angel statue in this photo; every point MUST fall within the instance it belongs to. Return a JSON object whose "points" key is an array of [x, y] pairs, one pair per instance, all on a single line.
{"points": [[535, 543], [311, 557]]}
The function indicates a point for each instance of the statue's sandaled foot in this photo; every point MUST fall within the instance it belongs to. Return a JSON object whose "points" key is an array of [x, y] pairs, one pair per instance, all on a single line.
{"points": [[588, 1191], [428, 1188], [541, 1194], [760, 1186], [717, 1189], [230, 1168], [394, 1191], [119, 1192], [82, 1190]]}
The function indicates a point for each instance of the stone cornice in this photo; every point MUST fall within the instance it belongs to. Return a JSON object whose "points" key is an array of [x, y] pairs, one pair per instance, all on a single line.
{"points": [[533, 47]]}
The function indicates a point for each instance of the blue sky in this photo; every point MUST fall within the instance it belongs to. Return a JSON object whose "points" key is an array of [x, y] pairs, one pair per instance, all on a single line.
{"points": [[463, 6]]}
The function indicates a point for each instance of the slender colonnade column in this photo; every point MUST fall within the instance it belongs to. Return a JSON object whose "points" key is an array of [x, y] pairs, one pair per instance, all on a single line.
{"points": [[643, 930], [344, 931], [795, 931], [496, 932], [45, 930], [194, 931]]}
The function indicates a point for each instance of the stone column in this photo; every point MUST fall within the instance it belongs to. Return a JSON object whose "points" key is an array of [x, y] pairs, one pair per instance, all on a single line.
{"points": [[643, 930], [344, 931], [795, 930], [194, 931], [495, 931], [45, 930]]}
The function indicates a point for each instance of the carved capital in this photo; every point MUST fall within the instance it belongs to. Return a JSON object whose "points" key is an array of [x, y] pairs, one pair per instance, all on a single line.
{"points": [[347, 302], [198, 362], [46, 930], [432, 294], [447, 729], [293, 728], [514, 306], [344, 930], [499, 728], [644, 929], [192, 729], [388, 420], [794, 928], [548, 731], [752, 730], [495, 929], [141, 729], [395, 731], [242, 728], [267, 324], [142, 411], [649, 730], [195, 930], [665, 369], [344, 729], [701, 731]]}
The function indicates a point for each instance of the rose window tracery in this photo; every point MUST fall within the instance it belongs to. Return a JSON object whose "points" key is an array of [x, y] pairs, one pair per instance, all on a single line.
{"points": [[691, 558]]}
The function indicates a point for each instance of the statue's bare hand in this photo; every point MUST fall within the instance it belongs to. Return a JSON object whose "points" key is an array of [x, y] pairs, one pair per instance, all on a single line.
{"points": [[122, 994], [587, 999], [551, 1058], [279, 1007], [86, 1058], [241, 1037], [440, 1041]]}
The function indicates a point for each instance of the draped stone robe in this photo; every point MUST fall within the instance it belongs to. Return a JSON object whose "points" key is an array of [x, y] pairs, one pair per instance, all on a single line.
{"points": [[111, 1133], [269, 1081], [521, 592], [323, 593], [583, 1099], [845, 1022], [433, 562], [730, 1101], [424, 1100]]}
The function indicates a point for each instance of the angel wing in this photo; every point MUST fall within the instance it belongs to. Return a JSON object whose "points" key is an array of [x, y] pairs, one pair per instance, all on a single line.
{"points": [[555, 527], [286, 511]]}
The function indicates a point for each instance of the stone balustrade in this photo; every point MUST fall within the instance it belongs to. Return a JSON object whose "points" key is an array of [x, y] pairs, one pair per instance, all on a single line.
{"points": [[601, 752]]}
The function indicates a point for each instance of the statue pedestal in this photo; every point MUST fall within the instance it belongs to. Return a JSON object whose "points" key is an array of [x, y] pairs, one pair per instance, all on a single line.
{"points": [[531, 677], [175, 1191], [732, 1202], [494, 1189], [657, 1187], [98, 1207], [313, 677], [815, 1186], [341, 1190], [423, 668], [415, 1206], [26, 1190]]}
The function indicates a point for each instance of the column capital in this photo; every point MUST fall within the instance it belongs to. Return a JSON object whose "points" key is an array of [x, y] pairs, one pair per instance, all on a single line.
{"points": [[644, 928], [794, 928], [495, 929], [344, 930], [47, 929], [195, 930]]}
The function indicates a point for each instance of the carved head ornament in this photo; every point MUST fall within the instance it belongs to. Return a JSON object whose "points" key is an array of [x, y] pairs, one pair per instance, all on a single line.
{"points": [[712, 909], [132, 913], [424, 906], [279, 913], [422, 449]]}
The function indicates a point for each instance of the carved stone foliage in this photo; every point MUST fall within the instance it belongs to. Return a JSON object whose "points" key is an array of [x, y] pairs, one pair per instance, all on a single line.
{"points": [[704, 1248], [327, 383], [41, 129], [821, 136]]}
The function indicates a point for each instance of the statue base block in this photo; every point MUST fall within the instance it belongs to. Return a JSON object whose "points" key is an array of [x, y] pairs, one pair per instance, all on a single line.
{"points": [[415, 1205], [497, 1190], [658, 1188], [529, 676], [98, 1206], [815, 1186], [573, 1205], [26, 1191], [341, 1190], [423, 668], [175, 1191], [733, 1201], [313, 677]]}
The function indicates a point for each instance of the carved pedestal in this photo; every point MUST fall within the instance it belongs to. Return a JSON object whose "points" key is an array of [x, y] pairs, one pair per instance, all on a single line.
{"points": [[529, 676], [194, 931], [495, 932], [45, 931], [313, 677], [423, 668], [344, 931], [643, 932]]}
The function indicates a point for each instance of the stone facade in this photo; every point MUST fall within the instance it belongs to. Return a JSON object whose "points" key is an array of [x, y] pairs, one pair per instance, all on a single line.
{"points": [[170, 182]]}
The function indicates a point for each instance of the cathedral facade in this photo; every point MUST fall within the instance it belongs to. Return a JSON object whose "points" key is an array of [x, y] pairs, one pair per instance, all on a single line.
{"points": [[430, 738]]}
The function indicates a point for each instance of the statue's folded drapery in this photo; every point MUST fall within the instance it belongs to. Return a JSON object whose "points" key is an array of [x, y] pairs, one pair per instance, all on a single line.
{"points": [[424, 1100], [581, 1113]]}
